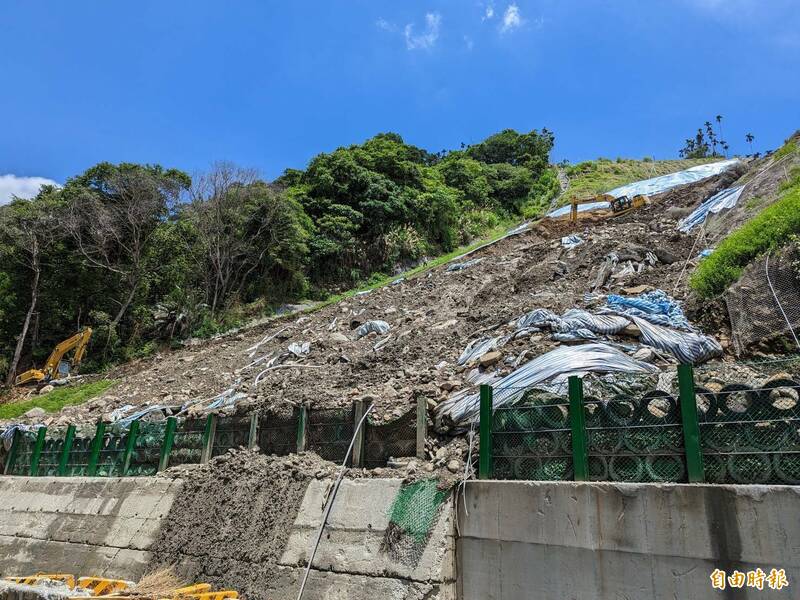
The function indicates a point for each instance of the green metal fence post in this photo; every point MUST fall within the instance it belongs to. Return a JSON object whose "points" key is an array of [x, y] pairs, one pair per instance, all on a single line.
{"points": [[252, 436], [485, 434], [691, 428], [97, 446], [12, 453], [302, 420], [359, 408], [63, 460], [577, 420], [209, 433], [37, 451], [130, 445], [166, 446]]}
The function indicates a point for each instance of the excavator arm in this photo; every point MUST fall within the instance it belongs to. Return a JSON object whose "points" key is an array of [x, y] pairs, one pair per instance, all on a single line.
{"points": [[78, 342]]}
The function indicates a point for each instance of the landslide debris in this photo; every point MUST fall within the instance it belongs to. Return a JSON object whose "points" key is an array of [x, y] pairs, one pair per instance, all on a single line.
{"points": [[322, 359]]}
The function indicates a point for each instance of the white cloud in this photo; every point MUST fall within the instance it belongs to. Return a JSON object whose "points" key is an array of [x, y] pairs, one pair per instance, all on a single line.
{"points": [[469, 43], [427, 39], [512, 19], [488, 13], [382, 23], [22, 187]]}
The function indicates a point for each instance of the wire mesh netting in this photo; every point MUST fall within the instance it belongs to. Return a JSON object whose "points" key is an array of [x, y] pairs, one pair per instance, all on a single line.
{"points": [[636, 438], [51, 454], [231, 432], [80, 451], [277, 432], [388, 440], [532, 439], [763, 305], [750, 421], [110, 462], [412, 516], [147, 449], [24, 442], [187, 444], [329, 432]]}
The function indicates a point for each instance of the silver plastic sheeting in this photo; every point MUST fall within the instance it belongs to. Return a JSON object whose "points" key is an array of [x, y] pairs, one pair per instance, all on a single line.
{"points": [[300, 348], [656, 185], [477, 348], [571, 241], [716, 203], [688, 347], [573, 320], [589, 206], [461, 408], [379, 327]]}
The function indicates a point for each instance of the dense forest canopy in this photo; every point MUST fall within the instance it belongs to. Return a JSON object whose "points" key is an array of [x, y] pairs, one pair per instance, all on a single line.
{"points": [[145, 254]]}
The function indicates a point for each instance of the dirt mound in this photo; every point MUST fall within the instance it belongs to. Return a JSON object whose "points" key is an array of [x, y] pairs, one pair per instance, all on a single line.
{"points": [[230, 524]]}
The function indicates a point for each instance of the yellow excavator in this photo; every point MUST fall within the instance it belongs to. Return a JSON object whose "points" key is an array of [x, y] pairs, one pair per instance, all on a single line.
{"points": [[55, 365], [619, 206]]}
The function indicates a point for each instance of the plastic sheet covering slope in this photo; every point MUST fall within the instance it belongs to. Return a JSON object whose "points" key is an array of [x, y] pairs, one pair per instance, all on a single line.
{"points": [[564, 210], [656, 306], [688, 347], [479, 347], [562, 362], [716, 203], [656, 185]]}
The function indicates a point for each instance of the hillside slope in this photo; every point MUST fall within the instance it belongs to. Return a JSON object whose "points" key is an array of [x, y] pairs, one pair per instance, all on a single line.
{"points": [[432, 318]]}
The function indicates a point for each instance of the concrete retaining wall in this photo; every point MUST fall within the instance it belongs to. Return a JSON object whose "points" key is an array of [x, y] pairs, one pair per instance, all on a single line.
{"points": [[351, 562], [526, 540], [88, 526]]}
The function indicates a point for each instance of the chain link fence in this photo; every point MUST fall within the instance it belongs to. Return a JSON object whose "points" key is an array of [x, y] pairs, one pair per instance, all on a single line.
{"points": [[635, 438], [277, 432], [763, 305], [750, 421], [138, 449], [187, 443], [533, 439], [230, 433], [329, 432], [392, 439]]}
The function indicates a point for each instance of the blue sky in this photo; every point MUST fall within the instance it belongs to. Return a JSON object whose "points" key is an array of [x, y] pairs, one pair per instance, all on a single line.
{"points": [[270, 84]]}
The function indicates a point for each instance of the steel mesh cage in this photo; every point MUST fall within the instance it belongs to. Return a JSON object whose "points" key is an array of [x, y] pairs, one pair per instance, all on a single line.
{"points": [[187, 444], [329, 432], [277, 432], [635, 436], [23, 453], [390, 439], [80, 451], [147, 449], [532, 439], [750, 428], [231, 432]]}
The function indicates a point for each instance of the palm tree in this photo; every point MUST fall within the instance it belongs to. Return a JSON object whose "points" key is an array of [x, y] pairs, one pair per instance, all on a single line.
{"points": [[749, 138], [718, 119]]}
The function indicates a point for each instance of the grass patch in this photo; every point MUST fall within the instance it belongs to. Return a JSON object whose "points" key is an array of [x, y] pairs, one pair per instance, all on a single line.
{"points": [[788, 148], [594, 177], [770, 229], [57, 399]]}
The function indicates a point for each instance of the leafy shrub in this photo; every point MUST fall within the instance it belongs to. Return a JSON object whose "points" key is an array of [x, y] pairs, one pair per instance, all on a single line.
{"points": [[770, 229]]}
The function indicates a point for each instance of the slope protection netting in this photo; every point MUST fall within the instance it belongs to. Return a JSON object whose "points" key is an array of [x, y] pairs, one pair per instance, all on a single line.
{"points": [[763, 304], [412, 517]]}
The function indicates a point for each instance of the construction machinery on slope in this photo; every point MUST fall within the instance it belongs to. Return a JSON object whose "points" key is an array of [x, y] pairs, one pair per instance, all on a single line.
{"points": [[619, 206], [56, 366]]}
